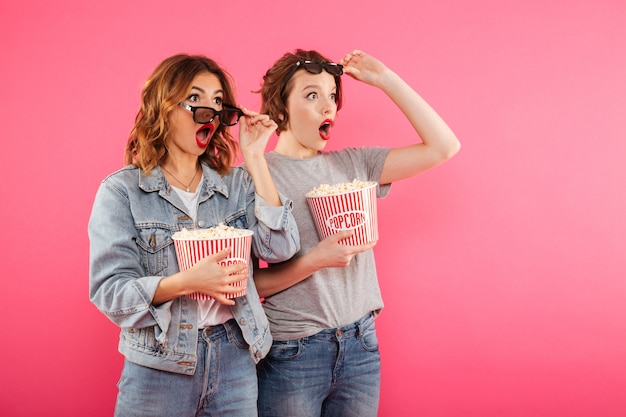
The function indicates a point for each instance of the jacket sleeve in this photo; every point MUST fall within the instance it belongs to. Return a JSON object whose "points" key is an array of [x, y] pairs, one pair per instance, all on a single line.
{"points": [[117, 282], [276, 238]]}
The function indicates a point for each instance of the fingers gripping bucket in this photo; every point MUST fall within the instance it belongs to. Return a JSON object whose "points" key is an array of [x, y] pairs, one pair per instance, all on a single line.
{"points": [[191, 250]]}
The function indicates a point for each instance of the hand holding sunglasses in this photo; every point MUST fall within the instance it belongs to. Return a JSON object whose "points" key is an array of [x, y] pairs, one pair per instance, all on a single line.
{"points": [[363, 67]]}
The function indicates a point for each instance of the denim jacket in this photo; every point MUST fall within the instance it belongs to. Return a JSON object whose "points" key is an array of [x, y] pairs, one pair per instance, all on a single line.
{"points": [[131, 249]]}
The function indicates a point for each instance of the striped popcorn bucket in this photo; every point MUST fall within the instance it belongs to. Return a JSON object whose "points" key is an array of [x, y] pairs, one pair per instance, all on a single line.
{"points": [[351, 210], [190, 251]]}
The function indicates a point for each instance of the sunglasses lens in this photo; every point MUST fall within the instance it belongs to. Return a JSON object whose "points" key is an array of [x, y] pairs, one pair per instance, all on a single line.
{"points": [[333, 69], [229, 117], [312, 67], [204, 114], [330, 67]]}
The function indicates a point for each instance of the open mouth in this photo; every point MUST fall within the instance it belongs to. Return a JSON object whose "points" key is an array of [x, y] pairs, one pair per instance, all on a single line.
{"points": [[325, 128], [203, 135]]}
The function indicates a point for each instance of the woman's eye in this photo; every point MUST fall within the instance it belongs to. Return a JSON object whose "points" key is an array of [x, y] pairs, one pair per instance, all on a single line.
{"points": [[333, 97], [311, 96], [218, 100], [193, 97]]}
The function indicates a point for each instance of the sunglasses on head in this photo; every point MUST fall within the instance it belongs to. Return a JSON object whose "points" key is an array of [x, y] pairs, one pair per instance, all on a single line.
{"points": [[229, 115], [314, 68]]}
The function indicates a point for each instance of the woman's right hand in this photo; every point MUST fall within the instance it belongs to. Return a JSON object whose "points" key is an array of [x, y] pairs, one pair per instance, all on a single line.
{"points": [[331, 253], [208, 277]]}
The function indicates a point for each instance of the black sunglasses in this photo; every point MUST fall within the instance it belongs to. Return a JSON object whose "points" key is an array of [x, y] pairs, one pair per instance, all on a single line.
{"points": [[314, 68], [229, 115]]}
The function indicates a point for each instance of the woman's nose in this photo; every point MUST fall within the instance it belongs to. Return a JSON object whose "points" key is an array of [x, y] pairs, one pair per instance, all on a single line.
{"points": [[329, 106]]}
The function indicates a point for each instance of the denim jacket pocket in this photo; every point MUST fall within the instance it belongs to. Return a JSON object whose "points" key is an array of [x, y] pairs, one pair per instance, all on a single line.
{"points": [[238, 220], [143, 340], [154, 243]]}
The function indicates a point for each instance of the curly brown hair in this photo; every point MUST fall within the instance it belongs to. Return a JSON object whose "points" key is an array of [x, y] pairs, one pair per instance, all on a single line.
{"points": [[167, 86], [274, 91]]}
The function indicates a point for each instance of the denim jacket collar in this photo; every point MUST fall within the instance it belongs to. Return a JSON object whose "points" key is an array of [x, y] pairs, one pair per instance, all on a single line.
{"points": [[155, 181]]}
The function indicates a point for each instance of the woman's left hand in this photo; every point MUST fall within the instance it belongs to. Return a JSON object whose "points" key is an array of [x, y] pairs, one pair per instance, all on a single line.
{"points": [[255, 131], [363, 67]]}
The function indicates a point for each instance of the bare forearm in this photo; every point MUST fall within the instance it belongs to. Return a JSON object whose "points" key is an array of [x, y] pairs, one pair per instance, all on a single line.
{"points": [[254, 132], [437, 142], [431, 128], [263, 183], [269, 281], [169, 288], [329, 253]]}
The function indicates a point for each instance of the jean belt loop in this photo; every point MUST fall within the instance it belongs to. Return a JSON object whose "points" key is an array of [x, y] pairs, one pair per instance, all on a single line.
{"points": [[231, 328], [359, 327], [364, 322]]}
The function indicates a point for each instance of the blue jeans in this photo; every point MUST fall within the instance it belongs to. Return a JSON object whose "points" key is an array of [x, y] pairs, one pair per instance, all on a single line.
{"points": [[224, 383], [335, 372]]}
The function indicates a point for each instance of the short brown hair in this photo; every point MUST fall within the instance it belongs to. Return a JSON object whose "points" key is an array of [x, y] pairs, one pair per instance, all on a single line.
{"points": [[165, 88], [273, 91]]}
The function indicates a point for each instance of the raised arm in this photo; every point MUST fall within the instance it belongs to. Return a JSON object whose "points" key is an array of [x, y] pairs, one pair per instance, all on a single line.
{"points": [[438, 142], [254, 132]]}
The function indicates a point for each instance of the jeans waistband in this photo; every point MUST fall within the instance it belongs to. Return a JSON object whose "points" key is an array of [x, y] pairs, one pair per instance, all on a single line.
{"points": [[219, 330], [351, 330]]}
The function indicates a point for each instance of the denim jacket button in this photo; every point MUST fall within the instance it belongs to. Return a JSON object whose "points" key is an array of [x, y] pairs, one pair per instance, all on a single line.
{"points": [[243, 321], [201, 223]]}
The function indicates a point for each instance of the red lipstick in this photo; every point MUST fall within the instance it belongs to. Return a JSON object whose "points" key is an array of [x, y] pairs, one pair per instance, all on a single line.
{"points": [[204, 134], [325, 128]]}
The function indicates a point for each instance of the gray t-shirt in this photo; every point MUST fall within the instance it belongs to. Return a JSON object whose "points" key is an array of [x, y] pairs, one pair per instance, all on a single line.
{"points": [[332, 297]]}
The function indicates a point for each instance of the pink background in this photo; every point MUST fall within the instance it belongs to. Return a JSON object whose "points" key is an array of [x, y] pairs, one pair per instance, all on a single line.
{"points": [[502, 270]]}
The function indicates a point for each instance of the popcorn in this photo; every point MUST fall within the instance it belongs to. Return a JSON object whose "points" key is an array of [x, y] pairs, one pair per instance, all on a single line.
{"points": [[220, 231], [345, 206], [344, 187]]}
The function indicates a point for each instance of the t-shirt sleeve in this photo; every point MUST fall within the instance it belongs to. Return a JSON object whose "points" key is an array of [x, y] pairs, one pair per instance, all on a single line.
{"points": [[372, 160]]}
